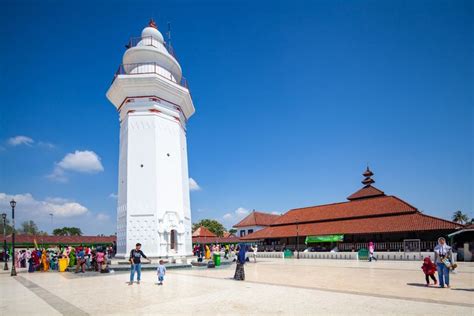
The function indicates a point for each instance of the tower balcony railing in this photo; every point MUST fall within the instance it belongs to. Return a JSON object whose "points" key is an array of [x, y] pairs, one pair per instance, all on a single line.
{"points": [[150, 41], [148, 68]]}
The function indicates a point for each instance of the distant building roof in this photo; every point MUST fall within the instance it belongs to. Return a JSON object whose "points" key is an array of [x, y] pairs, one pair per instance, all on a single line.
{"points": [[62, 240], [202, 231], [227, 235], [257, 219], [232, 239], [202, 235]]}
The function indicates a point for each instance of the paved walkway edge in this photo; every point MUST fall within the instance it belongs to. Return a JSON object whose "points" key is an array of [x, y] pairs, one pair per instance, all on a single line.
{"points": [[62, 306]]}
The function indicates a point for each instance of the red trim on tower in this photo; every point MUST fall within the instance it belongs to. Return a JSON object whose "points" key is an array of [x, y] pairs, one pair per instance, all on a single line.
{"points": [[130, 99]]}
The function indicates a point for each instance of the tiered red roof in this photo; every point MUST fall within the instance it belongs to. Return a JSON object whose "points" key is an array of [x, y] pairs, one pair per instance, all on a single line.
{"points": [[257, 219], [381, 224], [365, 192], [368, 210], [359, 208]]}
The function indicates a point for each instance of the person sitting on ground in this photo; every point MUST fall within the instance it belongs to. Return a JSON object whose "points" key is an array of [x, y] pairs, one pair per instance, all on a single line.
{"points": [[429, 268]]}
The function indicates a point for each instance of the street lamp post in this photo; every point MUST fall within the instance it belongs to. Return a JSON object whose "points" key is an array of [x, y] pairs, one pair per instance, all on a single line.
{"points": [[5, 265], [297, 240], [13, 204]]}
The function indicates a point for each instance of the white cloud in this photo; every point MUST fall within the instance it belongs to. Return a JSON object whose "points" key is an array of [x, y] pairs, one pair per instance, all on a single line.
{"points": [[80, 161], [113, 196], [102, 217], [68, 209], [241, 211], [30, 208], [46, 145], [20, 140], [28, 141], [193, 186], [276, 213], [232, 218], [57, 200], [57, 175]]}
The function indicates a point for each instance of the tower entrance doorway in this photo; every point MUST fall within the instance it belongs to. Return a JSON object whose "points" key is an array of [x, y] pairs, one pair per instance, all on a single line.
{"points": [[173, 240]]}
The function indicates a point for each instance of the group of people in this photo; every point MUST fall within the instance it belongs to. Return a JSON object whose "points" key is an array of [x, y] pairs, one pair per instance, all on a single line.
{"points": [[82, 258], [206, 252], [136, 265], [443, 264], [443, 261]]}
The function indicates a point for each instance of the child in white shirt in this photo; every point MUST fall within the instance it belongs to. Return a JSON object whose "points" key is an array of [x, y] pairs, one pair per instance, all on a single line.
{"points": [[161, 271]]}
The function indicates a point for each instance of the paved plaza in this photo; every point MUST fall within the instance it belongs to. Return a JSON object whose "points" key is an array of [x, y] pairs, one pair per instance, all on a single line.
{"points": [[272, 286]]}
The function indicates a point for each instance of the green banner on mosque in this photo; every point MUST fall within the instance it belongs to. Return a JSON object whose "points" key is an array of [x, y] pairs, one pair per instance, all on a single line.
{"points": [[324, 238]]}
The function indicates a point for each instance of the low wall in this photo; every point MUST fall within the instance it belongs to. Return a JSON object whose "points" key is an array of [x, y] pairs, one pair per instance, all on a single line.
{"points": [[353, 255]]}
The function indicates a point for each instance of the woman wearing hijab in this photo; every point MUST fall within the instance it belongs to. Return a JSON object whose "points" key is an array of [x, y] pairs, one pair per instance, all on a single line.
{"points": [[442, 252], [44, 260], [239, 270], [371, 252], [207, 253]]}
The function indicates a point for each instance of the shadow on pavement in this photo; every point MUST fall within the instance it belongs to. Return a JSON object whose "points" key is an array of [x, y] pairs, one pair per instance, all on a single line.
{"points": [[419, 284], [469, 290]]}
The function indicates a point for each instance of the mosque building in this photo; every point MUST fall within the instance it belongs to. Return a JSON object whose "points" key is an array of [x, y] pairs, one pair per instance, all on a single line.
{"points": [[368, 215]]}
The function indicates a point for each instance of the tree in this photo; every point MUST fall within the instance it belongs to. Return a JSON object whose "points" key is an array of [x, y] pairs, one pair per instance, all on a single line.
{"points": [[460, 217], [211, 224], [60, 232], [67, 231], [233, 231], [8, 227], [29, 228]]}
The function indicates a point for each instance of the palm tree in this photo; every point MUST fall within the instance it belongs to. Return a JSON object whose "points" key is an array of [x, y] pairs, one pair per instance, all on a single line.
{"points": [[460, 217]]}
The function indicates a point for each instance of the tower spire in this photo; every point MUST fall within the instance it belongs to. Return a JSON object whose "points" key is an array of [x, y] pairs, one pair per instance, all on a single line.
{"points": [[152, 23], [368, 174]]}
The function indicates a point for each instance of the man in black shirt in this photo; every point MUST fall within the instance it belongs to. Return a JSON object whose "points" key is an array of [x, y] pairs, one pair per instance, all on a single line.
{"points": [[136, 265]]}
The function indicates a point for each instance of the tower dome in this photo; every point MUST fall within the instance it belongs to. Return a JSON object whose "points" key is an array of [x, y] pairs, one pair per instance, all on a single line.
{"points": [[148, 54], [152, 31]]}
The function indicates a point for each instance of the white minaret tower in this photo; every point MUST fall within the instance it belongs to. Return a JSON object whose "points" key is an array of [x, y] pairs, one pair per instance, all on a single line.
{"points": [[154, 104]]}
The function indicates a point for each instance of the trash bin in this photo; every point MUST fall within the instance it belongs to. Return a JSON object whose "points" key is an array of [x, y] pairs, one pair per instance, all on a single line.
{"points": [[288, 253], [363, 254], [217, 259], [62, 264]]}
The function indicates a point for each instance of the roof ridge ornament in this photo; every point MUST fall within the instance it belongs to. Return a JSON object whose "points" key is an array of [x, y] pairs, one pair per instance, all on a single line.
{"points": [[368, 174], [152, 24]]}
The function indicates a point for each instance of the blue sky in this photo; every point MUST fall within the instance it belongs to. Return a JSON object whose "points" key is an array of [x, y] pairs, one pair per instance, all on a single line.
{"points": [[293, 99]]}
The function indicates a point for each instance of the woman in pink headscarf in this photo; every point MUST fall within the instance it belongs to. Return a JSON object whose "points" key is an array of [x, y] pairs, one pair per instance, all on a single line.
{"points": [[17, 259], [371, 251]]}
